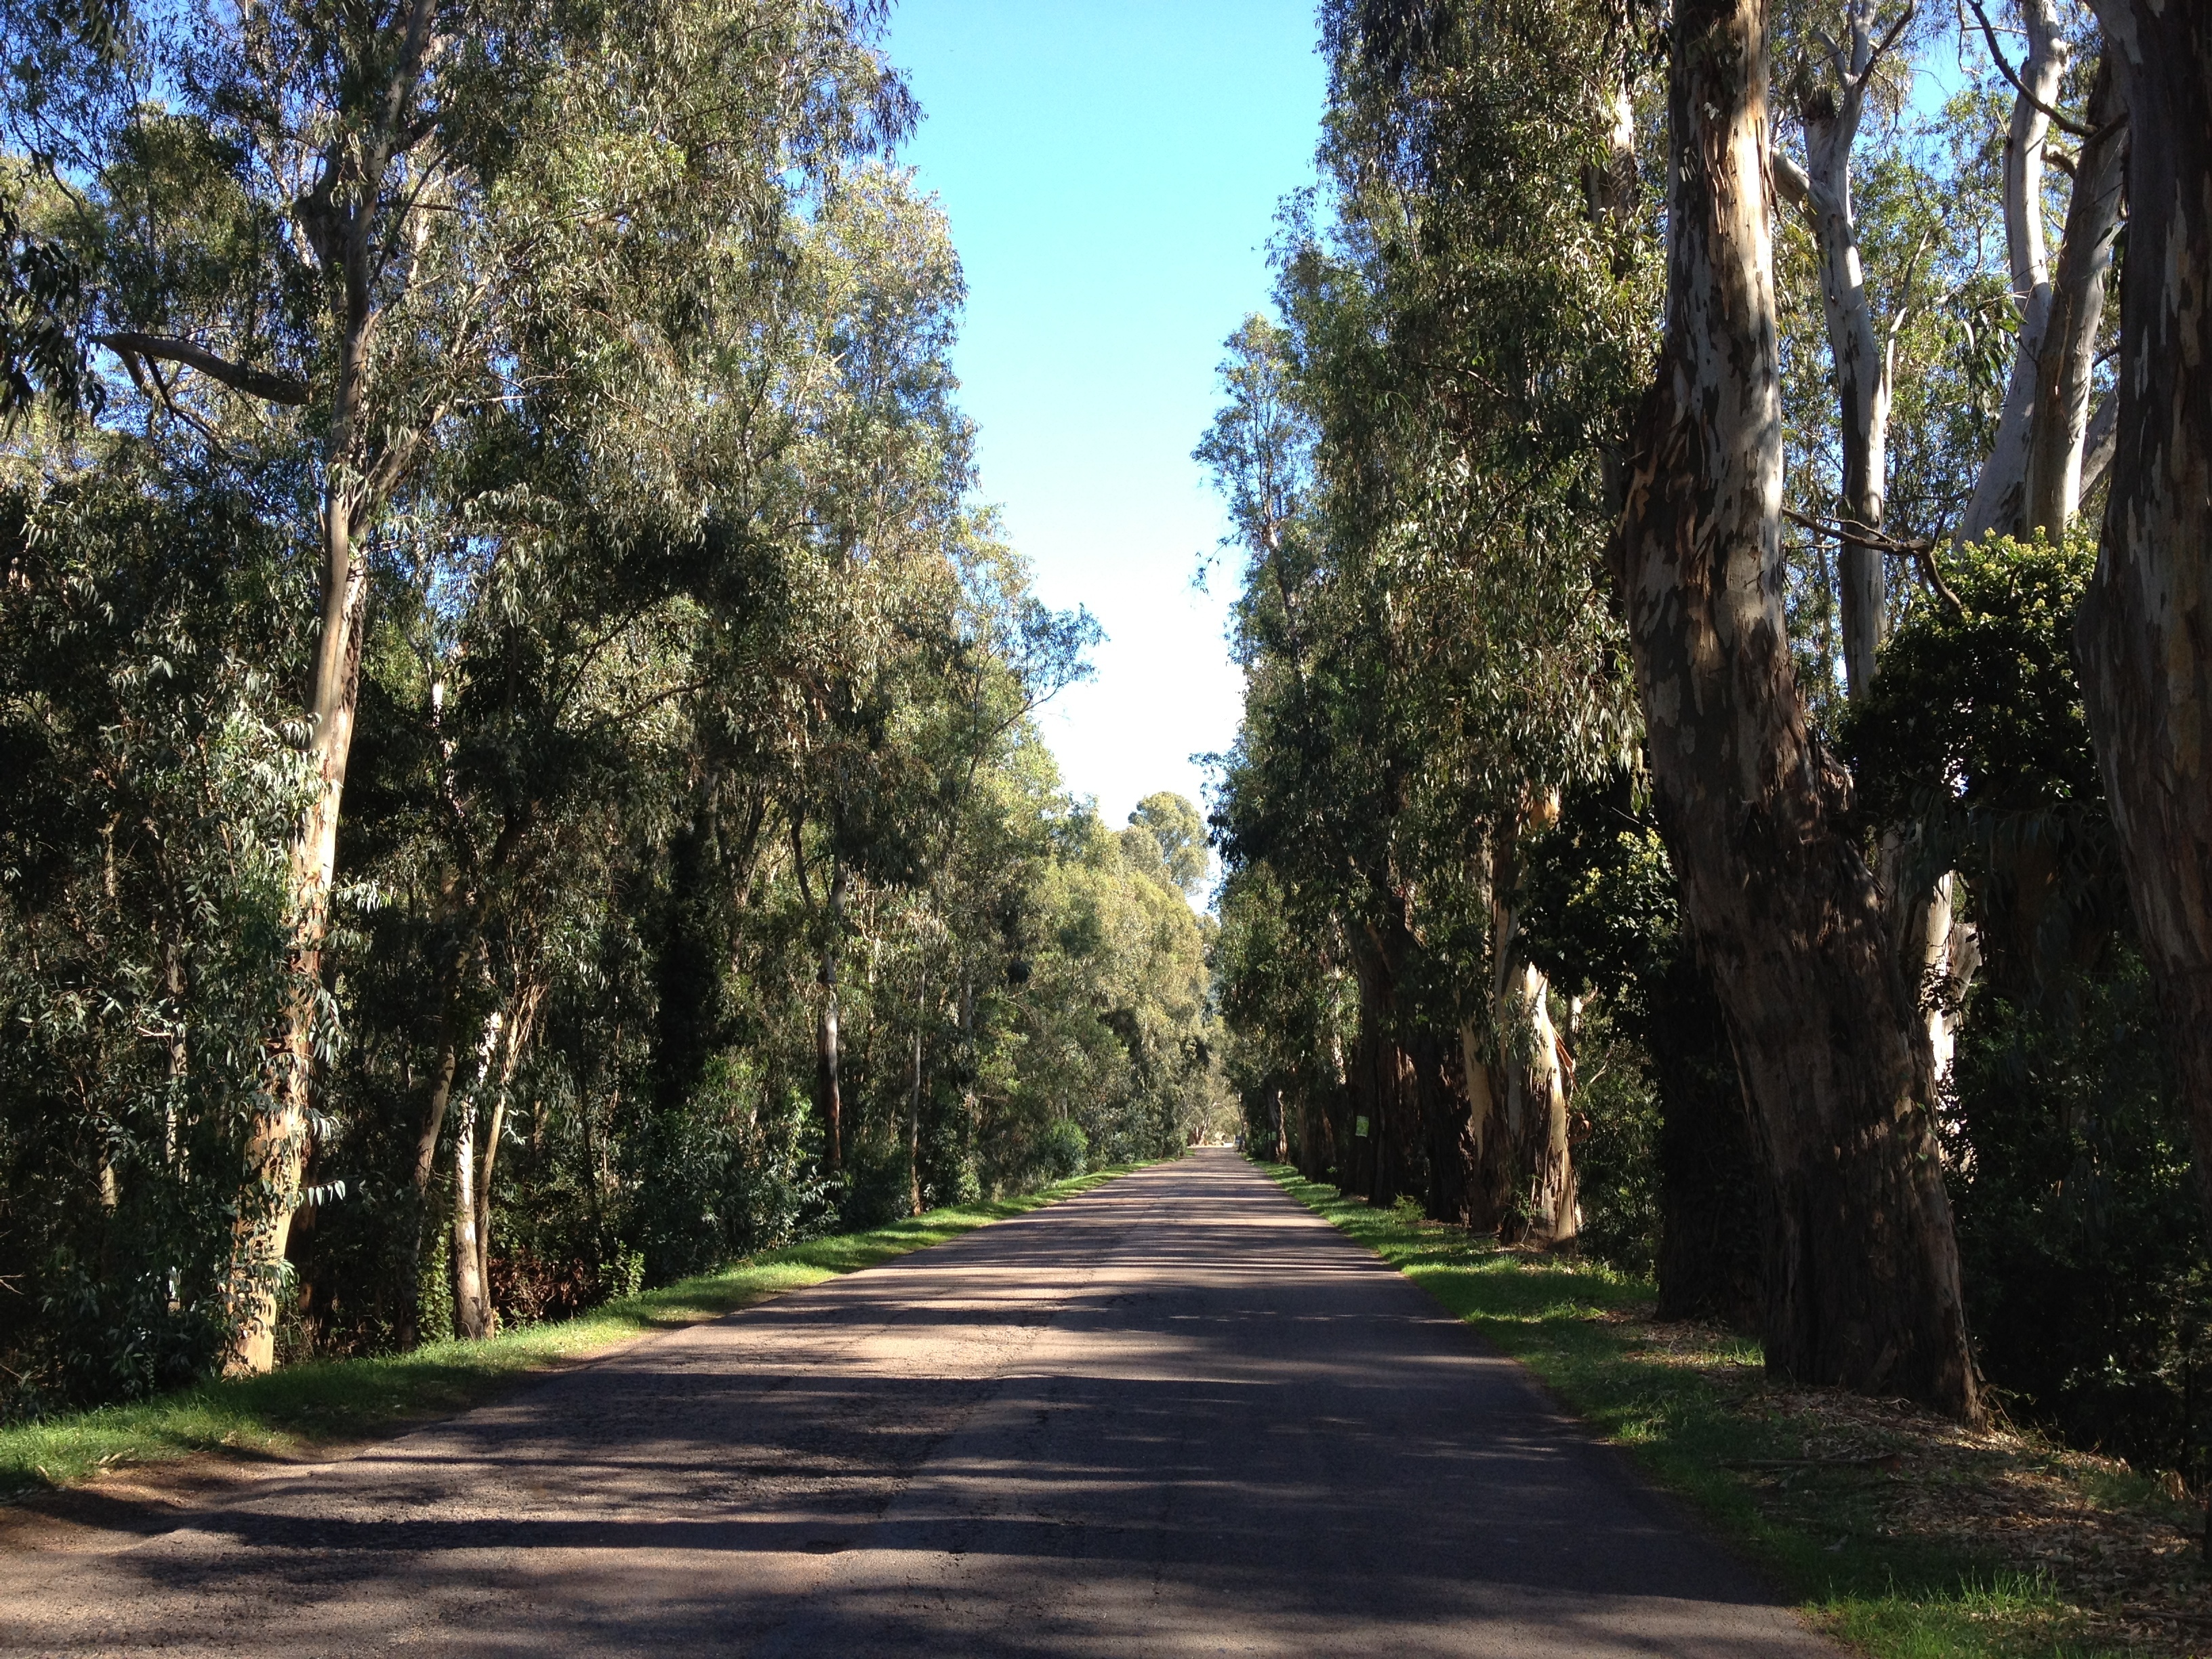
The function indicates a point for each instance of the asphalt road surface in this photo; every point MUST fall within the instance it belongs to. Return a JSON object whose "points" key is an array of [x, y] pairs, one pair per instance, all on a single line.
{"points": [[1178, 1415]]}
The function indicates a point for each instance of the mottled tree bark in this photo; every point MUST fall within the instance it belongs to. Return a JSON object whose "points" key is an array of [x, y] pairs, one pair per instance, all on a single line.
{"points": [[1524, 1155], [1862, 1279], [2144, 636]]}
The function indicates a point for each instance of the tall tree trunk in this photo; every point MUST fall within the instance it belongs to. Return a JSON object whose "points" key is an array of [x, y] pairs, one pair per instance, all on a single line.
{"points": [[342, 218], [1488, 1148], [1999, 504], [1536, 1112], [1528, 1159], [829, 1093], [471, 1295], [275, 1149], [2144, 636], [513, 1040], [2059, 431], [1861, 357], [1863, 1280]]}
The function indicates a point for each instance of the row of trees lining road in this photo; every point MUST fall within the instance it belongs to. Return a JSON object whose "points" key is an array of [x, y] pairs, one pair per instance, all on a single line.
{"points": [[1744, 814], [517, 769]]}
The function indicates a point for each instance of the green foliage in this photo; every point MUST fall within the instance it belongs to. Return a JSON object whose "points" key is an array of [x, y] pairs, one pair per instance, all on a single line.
{"points": [[693, 700], [2079, 1230], [1618, 1163], [147, 790], [1982, 706], [1065, 1150], [2078, 1226]]}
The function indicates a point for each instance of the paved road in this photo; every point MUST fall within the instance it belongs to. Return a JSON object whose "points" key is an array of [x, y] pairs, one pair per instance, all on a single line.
{"points": [[1177, 1416]]}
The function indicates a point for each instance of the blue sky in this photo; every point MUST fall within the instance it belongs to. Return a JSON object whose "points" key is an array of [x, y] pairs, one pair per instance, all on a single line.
{"points": [[1111, 169]]}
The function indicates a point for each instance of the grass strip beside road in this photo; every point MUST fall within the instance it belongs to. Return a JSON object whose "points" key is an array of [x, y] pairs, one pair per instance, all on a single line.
{"points": [[289, 1412], [1784, 1474]]}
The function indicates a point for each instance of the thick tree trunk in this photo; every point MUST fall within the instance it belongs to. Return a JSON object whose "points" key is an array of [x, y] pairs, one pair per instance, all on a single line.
{"points": [[1526, 1161], [2059, 429], [1489, 1148], [2144, 636], [1863, 1279], [1998, 506], [1455, 1194], [1536, 1114]]}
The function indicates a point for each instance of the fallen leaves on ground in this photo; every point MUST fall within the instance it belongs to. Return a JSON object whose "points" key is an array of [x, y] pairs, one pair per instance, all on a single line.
{"points": [[2128, 1557]]}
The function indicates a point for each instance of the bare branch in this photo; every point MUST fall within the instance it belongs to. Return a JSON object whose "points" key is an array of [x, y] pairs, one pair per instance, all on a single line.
{"points": [[131, 345], [2063, 123], [1882, 48], [1922, 553], [1791, 182]]}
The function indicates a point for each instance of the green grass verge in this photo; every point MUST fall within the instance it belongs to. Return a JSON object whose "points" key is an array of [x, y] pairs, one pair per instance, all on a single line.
{"points": [[1819, 1536], [290, 1411]]}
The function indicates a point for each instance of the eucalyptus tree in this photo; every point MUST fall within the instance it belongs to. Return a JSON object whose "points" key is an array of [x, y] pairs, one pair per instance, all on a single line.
{"points": [[2033, 479], [334, 233], [1862, 1279], [2141, 635], [1464, 385], [1831, 104]]}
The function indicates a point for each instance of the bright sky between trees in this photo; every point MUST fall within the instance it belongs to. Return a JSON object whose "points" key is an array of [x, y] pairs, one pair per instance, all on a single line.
{"points": [[1112, 170]]}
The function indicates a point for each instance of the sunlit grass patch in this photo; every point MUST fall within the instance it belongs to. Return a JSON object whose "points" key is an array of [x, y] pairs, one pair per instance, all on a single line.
{"points": [[290, 1411], [1800, 1482]]}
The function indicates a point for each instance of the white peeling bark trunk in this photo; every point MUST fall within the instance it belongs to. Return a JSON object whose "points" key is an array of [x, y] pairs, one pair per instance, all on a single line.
{"points": [[343, 219], [1537, 1110], [2058, 432], [1999, 503], [1857, 349], [471, 1297]]}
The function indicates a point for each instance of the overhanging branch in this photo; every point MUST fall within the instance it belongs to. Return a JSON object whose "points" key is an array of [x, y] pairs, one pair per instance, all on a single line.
{"points": [[133, 347]]}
